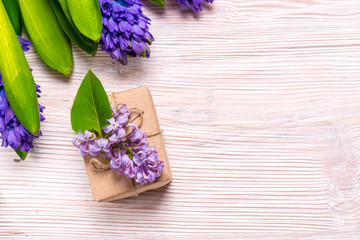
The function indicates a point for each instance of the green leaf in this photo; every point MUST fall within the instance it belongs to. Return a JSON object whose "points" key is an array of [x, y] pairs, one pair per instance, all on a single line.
{"points": [[49, 40], [13, 10], [158, 2], [87, 17], [91, 107], [17, 79], [65, 9], [21, 154], [69, 28]]}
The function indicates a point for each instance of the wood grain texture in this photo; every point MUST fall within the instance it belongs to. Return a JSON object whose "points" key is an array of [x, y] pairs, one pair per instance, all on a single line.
{"points": [[260, 103]]}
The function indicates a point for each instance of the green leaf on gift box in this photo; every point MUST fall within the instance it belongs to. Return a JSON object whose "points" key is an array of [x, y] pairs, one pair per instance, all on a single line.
{"points": [[13, 11], [158, 2], [91, 107], [71, 31], [87, 17]]}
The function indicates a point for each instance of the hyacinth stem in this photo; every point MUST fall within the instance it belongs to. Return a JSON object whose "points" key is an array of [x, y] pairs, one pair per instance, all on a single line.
{"points": [[128, 149], [17, 78]]}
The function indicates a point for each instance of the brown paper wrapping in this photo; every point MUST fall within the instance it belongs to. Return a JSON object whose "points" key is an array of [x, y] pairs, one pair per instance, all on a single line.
{"points": [[109, 185]]}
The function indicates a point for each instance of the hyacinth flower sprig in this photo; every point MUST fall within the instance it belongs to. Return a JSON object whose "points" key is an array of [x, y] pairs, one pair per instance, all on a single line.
{"points": [[125, 31], [105, 129]]}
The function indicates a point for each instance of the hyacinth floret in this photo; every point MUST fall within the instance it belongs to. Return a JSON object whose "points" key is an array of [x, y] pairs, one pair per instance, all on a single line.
{"points": [[194, 5], [125, 30]]}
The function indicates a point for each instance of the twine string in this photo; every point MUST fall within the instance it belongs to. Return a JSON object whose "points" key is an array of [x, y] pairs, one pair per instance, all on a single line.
{"points": [[140, 114], [97, 165], [113, 99]]}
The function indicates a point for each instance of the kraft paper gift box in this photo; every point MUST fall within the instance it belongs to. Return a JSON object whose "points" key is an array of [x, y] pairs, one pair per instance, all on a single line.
{"points": [[108, 185]]}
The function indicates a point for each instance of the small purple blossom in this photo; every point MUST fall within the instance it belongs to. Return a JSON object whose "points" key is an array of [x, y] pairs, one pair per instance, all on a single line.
{"points": [[117, 135], [112, 126], [82, 141], [13, 133], [130, 155], [99, 146], [83, 137], [125, 31], [194, 5], [116, 124]]}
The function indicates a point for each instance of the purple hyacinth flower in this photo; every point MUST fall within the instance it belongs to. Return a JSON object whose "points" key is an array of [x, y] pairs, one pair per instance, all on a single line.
{"points": [[112, 126], [194, 5], [123, 111], [82, 141], [125, 29], [13, 133], [116, 123], [118, 135], [99, 146], [114, 164], [83, 137]]}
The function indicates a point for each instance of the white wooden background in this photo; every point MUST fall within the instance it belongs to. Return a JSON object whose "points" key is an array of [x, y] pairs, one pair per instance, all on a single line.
{"points": [[260, 103]]}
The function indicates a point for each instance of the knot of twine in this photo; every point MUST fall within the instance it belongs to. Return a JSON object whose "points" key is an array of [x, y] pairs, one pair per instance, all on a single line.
{"points": [[99, 166]]}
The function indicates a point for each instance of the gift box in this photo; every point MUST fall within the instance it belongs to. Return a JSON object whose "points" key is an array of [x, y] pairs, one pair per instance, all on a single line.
{"points": [[108, 185]]}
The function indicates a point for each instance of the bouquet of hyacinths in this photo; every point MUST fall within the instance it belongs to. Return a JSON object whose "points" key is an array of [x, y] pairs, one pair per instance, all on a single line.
{"points": [[19, 109], [119, 25]]}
